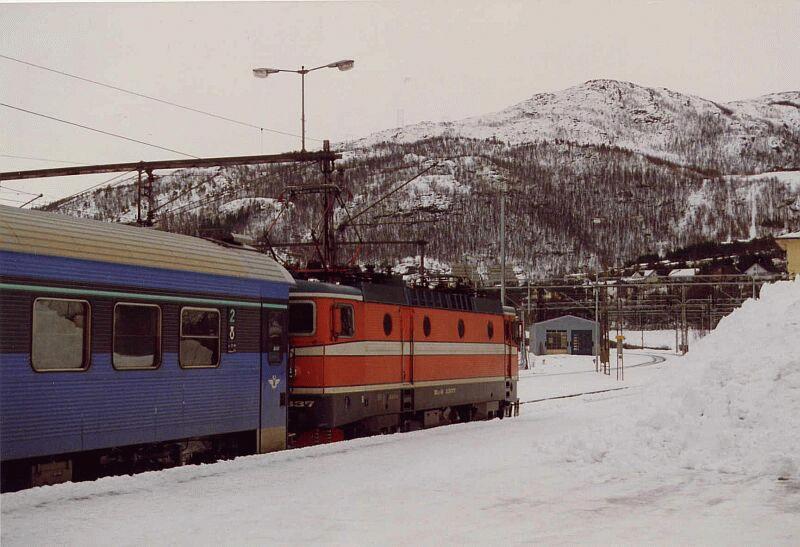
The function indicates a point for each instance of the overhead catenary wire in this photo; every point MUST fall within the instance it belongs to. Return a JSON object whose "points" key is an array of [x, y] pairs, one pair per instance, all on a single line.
{"points": [[394, 190], [150, 97], [98, 130], [14, 190], [208, 200], [63, 200], [40, 159]]}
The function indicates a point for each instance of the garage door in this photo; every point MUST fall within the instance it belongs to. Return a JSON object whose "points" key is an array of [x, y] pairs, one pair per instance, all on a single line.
{"points": [[582, 342]]}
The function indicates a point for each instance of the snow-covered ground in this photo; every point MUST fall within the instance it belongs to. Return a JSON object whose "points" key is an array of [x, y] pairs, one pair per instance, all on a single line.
{"points": [[697, 449], [661, 339]]}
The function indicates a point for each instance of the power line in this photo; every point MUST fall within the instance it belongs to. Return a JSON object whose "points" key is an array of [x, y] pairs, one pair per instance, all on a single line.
{"points": [[61, 201], [18, 191], [39, 159], [208, 200], [163, 101], [97, 130]]}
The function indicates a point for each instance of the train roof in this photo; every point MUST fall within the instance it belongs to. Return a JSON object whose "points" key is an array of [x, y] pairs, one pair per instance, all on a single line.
{"points": [[398, 294], [51, 234], [305, 287]]}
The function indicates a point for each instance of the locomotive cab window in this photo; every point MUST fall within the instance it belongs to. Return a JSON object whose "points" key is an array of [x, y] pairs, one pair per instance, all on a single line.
{"points": [[199, 338], [343, 321], [60, 337], [302, 318], [137, 336]]}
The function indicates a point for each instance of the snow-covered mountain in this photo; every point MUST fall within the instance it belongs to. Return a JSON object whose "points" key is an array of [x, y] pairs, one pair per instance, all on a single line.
{"points": [[656, 121], [597, 174]]}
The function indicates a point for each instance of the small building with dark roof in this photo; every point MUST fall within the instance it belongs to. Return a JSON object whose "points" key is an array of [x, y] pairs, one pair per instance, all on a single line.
{"points": [[568, 334]]}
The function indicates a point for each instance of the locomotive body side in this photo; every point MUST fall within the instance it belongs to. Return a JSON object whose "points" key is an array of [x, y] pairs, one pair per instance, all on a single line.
{"points": [[401, 366]]}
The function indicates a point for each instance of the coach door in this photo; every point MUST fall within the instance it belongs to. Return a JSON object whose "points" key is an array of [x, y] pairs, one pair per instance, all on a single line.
{"points": [[274, 380], [508, 345], [408, 346]]}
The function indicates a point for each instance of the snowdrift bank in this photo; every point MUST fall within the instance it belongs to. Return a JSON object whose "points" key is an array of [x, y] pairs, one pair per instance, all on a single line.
{"points": [[732, 407]]}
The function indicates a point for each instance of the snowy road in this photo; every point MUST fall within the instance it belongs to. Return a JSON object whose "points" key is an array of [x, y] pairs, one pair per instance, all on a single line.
{"points": [[685, 455]]}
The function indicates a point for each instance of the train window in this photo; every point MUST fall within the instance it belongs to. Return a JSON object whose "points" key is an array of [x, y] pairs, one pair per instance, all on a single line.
{"points": [[302, 318], [136, 342], [344, 320], [461, 328], [490, 330], [199, 338], [387, 324], [275, 342], [60, 334], [426, 326]]}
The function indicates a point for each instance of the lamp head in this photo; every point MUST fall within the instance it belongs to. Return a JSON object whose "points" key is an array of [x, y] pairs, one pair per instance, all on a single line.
{"points": [[344, 65], [264, 72]]}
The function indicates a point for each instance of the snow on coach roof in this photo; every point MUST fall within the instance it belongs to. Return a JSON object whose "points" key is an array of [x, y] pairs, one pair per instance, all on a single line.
{"points": [[36, 232]]}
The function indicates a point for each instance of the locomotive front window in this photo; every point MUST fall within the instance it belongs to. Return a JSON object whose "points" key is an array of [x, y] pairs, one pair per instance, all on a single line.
{"points": [[60, 338], [137, 336], [199, 338], [302, 318]]}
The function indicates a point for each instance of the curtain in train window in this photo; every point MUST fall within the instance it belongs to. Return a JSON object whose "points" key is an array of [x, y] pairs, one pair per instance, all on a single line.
{"points": [[60, 337], [199, 337], [137, 336], [275, 336], [346, 326]]}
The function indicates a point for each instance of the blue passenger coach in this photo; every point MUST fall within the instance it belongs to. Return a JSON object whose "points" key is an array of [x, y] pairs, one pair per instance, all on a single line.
{"points": [[124, 349]]}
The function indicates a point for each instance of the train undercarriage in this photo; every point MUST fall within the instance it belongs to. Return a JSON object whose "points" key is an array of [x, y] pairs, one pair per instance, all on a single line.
{"points": [[330, 415], [126, 460]]}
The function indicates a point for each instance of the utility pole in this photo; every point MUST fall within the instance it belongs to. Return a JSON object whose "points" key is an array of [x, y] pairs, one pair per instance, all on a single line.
{"points": [[139, 199], [684, 326], [503, 243], [597, 323], [145, 190]]}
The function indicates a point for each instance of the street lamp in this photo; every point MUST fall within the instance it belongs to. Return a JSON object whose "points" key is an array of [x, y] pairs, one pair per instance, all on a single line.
{"points": [[343, 66]]}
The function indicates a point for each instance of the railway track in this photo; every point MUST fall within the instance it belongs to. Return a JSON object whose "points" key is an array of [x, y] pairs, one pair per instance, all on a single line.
{"points": [[654, 360]]}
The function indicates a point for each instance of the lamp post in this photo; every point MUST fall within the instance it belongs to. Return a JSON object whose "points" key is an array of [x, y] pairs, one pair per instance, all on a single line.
{"points": [[343, 65]]}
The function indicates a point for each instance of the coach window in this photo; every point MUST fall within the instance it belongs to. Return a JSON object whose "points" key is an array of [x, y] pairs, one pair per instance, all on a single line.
{"points": [[302, 318], [387, 324], [426, 326], [199, 338], [60, 334], [137, 336], [461, 328], [344, 320]]}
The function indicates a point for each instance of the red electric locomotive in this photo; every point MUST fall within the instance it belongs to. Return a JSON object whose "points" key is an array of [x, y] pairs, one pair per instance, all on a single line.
{"points": [[385, 358]]}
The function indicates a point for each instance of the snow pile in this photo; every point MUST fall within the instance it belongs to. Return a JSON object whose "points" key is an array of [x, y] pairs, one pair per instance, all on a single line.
{"points": [[731, 406]]}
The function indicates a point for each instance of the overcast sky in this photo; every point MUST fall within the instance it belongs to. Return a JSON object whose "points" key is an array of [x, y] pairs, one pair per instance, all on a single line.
{"points": [[415, 61]]}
